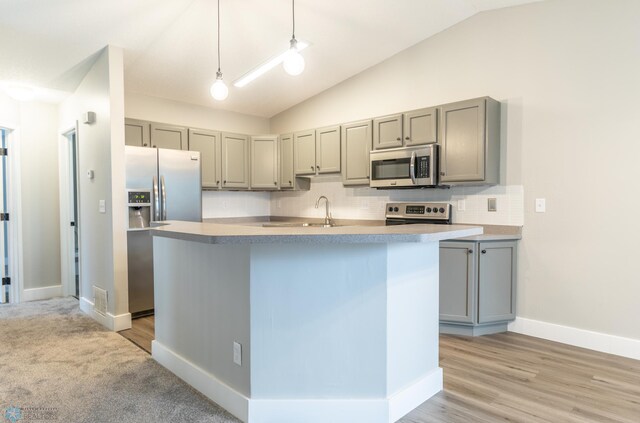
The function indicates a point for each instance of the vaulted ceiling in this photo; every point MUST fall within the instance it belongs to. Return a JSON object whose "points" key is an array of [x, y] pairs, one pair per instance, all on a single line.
{"points": [[170, 45]]}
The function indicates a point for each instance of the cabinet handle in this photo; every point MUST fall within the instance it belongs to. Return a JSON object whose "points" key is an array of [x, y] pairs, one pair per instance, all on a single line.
{"points": [[224, 182], [217, 182], [470, 251], [398, 139], [406, 138], [441, 173], [153, 146], [144, 145], [312, 168], [275, 183], [317, 167], [484, 251], [290, 183]]}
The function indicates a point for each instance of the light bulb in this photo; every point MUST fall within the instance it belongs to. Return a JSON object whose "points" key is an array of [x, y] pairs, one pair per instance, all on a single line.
{"points": [[294, 62], [219, 89]]}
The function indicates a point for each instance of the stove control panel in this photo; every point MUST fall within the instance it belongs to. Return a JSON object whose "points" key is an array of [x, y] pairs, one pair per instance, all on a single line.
{"points": [[426, 211]]}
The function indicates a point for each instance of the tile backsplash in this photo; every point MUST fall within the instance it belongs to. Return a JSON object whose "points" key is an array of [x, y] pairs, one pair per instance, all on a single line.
{"points": [[367, 203]]}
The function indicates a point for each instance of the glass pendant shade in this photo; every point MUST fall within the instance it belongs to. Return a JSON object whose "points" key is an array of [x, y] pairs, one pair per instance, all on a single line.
{"points": [[294, 62], [219, 89]]}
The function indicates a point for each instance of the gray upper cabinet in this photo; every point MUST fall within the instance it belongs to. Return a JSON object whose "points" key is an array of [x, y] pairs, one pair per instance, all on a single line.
{"points": [[171, 137], [421, 126], [305, 152], [470, 144], [136, 133], [235, 161], [477, 286], [210, 147], [328, 149], [387, 132], [356, 145], [264, 162], [287, 175]]}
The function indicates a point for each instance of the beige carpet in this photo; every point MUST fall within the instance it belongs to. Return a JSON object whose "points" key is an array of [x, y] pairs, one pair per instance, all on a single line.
{"points": [[58, 364]]}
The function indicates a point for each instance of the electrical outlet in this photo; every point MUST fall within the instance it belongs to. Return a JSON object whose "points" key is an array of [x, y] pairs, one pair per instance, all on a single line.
{"points": [[237, 353], [462, 205], [492, 204], [541, 205]]}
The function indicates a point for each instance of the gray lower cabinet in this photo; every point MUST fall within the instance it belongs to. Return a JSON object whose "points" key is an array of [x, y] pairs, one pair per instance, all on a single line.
{"points": [[477, 286], [470, 142], [235, 161], [136, 132], [264, 162], [167, 136], [356, 146], [210, 147]]}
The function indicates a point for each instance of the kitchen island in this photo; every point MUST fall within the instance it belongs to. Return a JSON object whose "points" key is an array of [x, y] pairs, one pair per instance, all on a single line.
{"points": [[302, 324]]}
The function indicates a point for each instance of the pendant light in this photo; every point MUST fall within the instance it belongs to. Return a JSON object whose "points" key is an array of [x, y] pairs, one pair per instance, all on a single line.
{"points": [[294, 62], [219, 89]]}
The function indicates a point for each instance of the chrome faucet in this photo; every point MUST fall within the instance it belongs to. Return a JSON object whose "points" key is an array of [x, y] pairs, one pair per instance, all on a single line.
{"points": [[328, 220]]}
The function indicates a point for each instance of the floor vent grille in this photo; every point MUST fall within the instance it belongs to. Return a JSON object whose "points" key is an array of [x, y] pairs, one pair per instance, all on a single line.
{"points": [[100, 300]]}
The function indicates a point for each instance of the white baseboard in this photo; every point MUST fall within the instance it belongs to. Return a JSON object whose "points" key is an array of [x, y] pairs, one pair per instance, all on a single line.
{"points": [[114, 323], [35, 294], [597, 341], [299, 410], [225, 396]]}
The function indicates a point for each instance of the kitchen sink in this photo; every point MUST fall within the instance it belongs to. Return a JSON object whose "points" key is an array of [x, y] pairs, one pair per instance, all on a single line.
{"points": [[297, 225]]}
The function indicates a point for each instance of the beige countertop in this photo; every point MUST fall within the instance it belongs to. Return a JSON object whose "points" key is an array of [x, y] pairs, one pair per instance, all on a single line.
{"points": [[250, 233]]}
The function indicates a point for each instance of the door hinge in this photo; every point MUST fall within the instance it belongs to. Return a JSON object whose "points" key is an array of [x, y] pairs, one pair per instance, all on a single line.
{"points": [[6, 281], [4, 216], [4, 152]]}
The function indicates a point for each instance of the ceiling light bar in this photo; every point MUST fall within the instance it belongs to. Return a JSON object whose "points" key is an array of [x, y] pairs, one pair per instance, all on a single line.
{"points": [[267, 66]]}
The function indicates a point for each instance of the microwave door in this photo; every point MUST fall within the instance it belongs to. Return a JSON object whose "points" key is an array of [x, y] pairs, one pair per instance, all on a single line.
{"points": [[391, 172]]}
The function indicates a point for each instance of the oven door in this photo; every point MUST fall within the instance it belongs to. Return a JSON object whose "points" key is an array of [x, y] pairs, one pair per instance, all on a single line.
{"points": [[403, 167]]}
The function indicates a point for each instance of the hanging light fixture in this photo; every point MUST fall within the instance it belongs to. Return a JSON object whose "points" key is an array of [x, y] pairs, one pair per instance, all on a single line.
{"points": [[294, 62], [219, 89]]}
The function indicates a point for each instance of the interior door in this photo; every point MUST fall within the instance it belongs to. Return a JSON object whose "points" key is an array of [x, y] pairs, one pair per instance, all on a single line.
{"points": [[73, 208]]}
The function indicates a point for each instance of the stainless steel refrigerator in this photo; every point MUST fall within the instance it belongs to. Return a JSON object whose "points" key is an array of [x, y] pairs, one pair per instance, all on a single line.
{"points": [[173, 180]]}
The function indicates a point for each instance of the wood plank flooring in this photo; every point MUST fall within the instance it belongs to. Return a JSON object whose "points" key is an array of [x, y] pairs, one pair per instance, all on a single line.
{"points": [[514, 378]]}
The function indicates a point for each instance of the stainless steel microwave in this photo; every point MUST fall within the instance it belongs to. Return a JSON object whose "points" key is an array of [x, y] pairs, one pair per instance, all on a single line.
{"points": [[412, 167]]}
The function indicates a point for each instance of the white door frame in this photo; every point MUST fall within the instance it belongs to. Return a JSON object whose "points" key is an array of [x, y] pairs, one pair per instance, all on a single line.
{"points": [[67, 251], [14, 208]]}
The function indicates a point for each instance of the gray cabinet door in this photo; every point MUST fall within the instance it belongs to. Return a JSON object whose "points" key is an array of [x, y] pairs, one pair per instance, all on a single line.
{"points": [[421, 126], [136, 133], [171, 137], [496, 281], [457, 281], [387, 132], [356, 146], [264, 162], [328, 149], [463, 142], [210, 148], [305, 152], [235, 160], [286, 161]]}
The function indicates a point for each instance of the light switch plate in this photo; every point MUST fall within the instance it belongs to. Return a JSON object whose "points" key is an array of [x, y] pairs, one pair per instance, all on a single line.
{"points": [[541, 205], [492, 204], [102, 206], [237, 353], [462, 205]]}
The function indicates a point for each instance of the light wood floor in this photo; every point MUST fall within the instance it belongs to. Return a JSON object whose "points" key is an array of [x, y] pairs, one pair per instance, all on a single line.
{"points": [[515, 378]]}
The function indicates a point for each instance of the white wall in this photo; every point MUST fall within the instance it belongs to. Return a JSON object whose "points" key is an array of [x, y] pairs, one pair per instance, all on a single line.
{"points": [[38, 146], [567, 73], [214, 204], [101, 149]]}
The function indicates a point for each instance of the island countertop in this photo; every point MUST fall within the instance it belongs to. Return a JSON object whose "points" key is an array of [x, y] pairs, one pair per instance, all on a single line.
{"points": [[213, 233]]}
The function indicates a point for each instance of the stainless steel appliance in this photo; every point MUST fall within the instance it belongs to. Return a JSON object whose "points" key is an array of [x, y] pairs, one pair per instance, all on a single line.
{"points": [[412, 167], [412, 213], [161, 185]]}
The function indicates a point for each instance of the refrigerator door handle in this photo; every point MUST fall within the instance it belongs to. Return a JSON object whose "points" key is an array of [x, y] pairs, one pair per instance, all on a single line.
{"points": [[156, 200], [164, 198]]}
